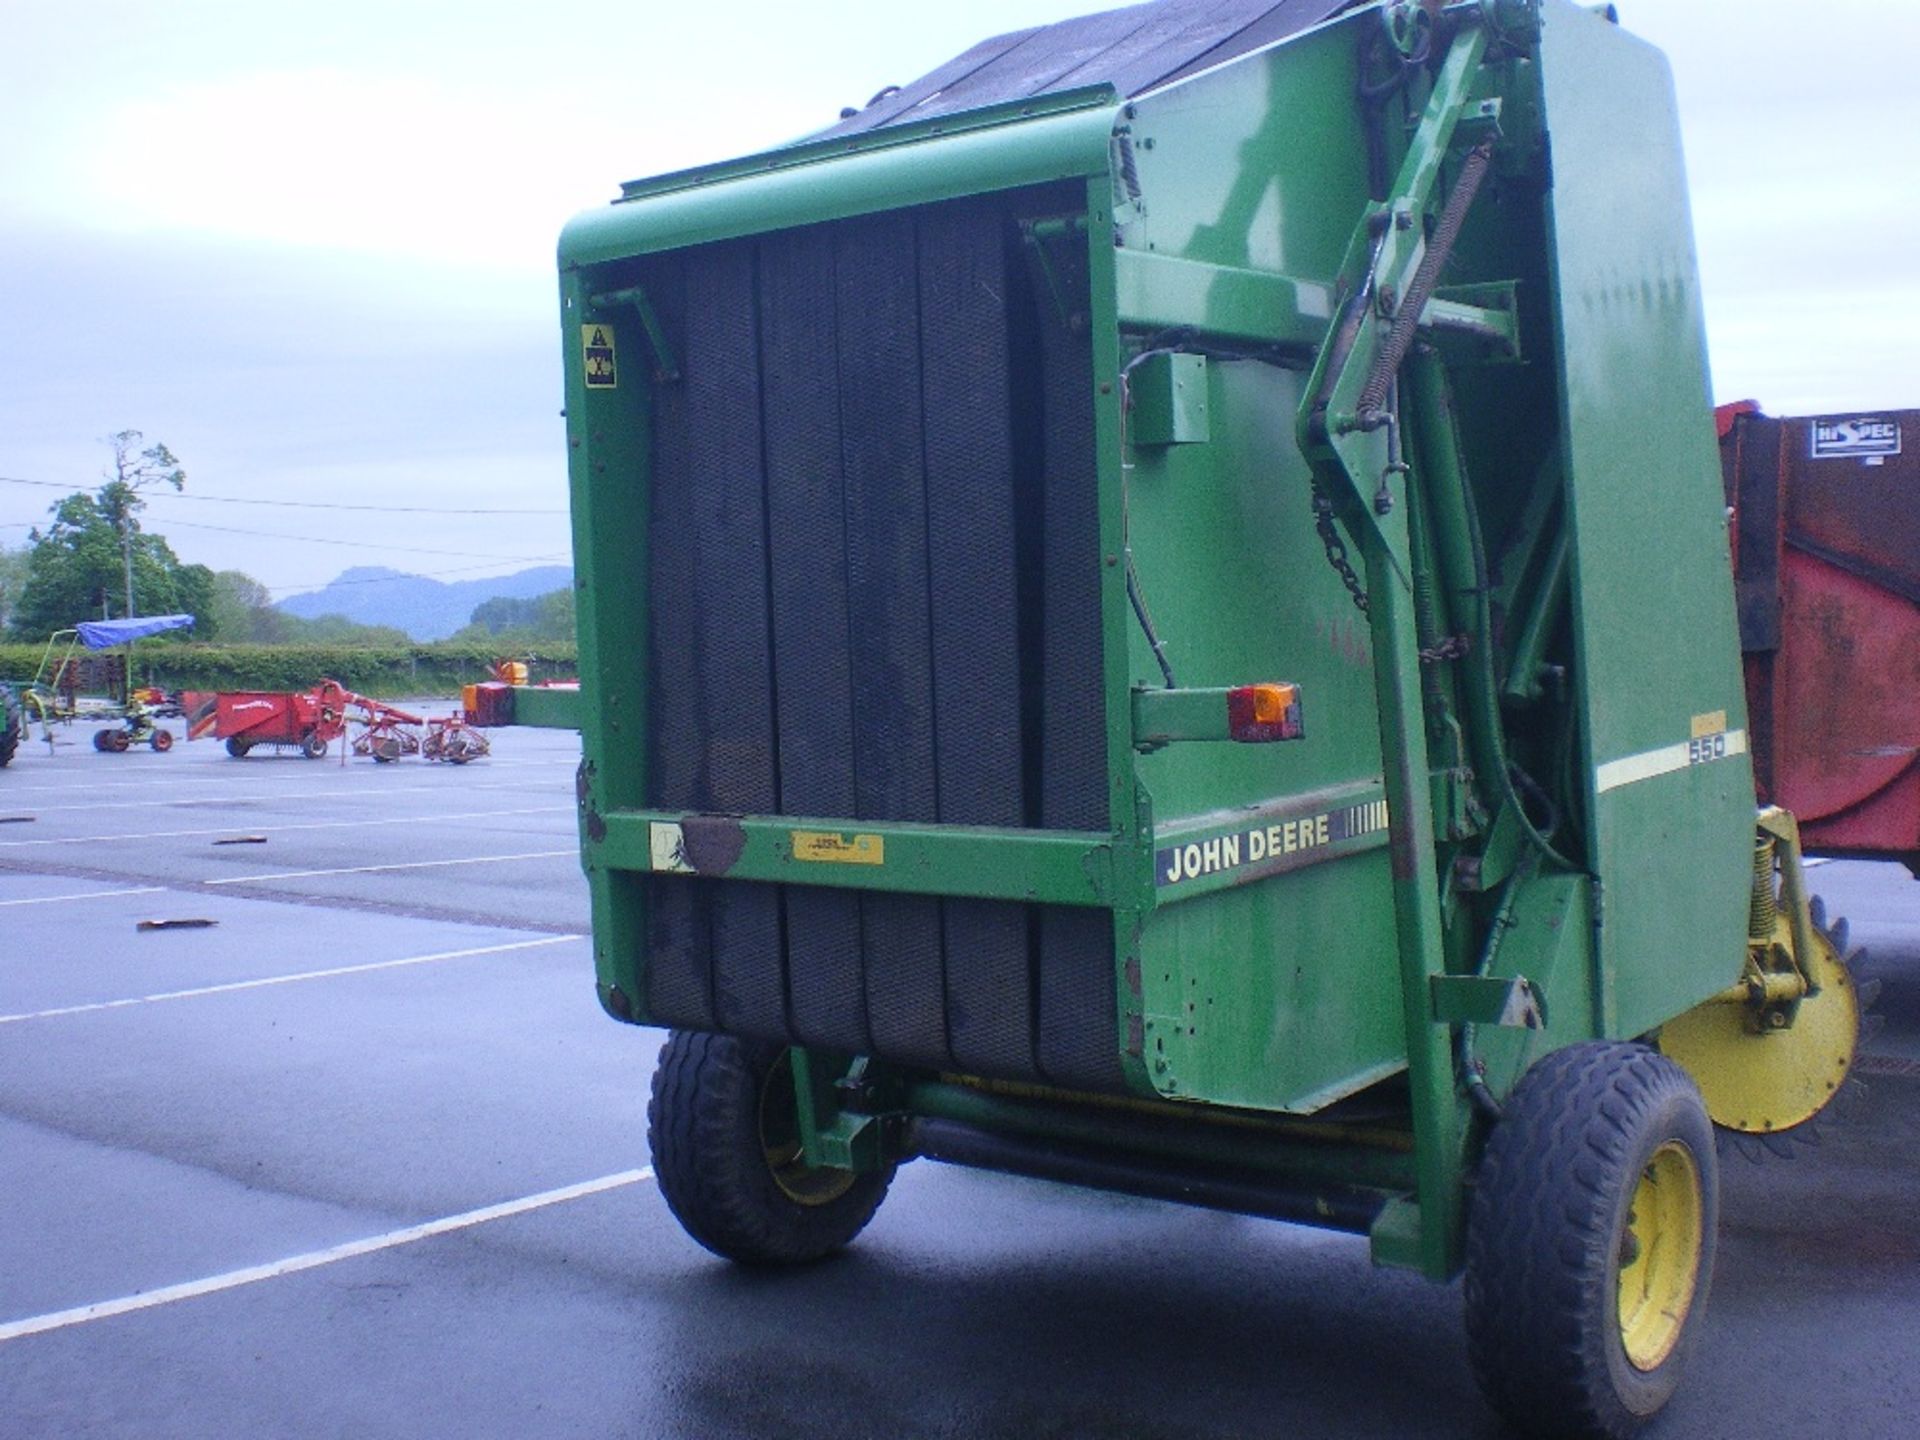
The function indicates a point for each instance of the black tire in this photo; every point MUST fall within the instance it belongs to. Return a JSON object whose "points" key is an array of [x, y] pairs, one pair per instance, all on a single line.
{"points": [[1548, 1236], [118, 741], [102, 740], [161, 740], [313, 746], [237, 748], [711, 1156]]}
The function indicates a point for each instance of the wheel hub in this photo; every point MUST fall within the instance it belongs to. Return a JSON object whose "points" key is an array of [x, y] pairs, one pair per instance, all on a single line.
{"points": [[1660, 1251]]}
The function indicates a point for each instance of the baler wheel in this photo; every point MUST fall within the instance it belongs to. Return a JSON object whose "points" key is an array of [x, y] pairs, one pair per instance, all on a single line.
{"points": [[1764, 1090], [237, 748], [313, 746], [726, 1152], [1590, 1241]]}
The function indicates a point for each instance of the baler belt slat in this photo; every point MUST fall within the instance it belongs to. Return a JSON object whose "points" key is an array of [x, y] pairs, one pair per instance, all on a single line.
{"points": [[965, 290], [813, 679], [730, 582], [894, 766], [679, 979]]}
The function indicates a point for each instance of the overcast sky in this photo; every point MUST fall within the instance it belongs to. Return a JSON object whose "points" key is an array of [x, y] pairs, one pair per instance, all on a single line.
{"points": [[309, 246]]}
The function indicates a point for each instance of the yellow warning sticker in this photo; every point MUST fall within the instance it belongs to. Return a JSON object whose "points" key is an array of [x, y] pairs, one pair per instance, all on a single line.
{"points": [[597, 345], [1712, 723], [836, 849]]}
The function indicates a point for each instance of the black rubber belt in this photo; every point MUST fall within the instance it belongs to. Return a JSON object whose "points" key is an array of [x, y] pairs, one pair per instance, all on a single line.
{"points": [[679, 971], [876, 285], [964, 342], [730, 585], [800, 402]]}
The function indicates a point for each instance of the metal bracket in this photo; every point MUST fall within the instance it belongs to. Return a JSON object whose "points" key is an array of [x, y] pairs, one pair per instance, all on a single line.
{"points": [[1488, 1000], [666, 369], [1037, 234]]}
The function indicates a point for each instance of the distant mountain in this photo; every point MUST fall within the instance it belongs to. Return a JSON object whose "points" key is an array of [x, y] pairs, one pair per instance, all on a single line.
{"points": [[426, 609]]}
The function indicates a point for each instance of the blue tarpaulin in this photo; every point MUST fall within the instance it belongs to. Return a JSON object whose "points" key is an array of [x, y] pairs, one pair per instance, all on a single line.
{"points": [[99, 634]]}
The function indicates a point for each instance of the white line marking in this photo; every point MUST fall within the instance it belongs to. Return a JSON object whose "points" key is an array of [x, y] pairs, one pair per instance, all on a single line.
{"points": [[269, 797], [408, 865], [233, 985], [307, 774], [1650, 764], [85, 895], [433, 819], [314, 1259]]}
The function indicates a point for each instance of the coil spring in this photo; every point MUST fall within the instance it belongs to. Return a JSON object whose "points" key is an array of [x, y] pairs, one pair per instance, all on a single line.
{"points": [[1762, 909]]}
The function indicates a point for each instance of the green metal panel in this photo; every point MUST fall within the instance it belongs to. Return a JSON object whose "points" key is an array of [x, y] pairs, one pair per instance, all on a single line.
{"points": [[855, 177], [1257, 166], [1280, 992], [1658, 650], [608, 432]]}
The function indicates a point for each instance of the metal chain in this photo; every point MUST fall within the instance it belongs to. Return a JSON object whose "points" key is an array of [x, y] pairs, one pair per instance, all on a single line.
{"points": [[1337, 549], [1454, 647]]}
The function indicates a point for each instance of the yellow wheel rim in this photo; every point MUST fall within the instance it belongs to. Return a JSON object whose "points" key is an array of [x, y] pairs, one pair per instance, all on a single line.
{"points": [[785, 1153], [1660, 1256], [1766, 1082]]}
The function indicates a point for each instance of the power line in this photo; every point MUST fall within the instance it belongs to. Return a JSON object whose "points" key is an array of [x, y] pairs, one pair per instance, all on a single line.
{"points": [[295, 504], [350, 544]]}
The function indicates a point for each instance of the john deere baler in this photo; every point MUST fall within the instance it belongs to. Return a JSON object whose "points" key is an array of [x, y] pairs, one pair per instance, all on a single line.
{"points": [[1154, 612]]}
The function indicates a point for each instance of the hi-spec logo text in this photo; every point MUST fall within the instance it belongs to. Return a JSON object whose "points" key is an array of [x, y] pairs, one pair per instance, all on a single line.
{"points": [[1860, 437]]}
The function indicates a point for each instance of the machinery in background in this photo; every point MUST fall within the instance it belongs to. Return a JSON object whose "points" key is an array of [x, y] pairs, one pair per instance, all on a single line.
{"points": [[309, 721], [1826, 555], [70, 663]]}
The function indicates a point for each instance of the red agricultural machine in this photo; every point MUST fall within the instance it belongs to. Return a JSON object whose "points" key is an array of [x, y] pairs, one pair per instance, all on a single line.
{"points": [[1826, 555], [311, 720]]}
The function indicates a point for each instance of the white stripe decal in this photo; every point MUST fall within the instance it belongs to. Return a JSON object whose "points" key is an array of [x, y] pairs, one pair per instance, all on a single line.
{"points": [[313, 1259], [288, 979], [1649, 764]]}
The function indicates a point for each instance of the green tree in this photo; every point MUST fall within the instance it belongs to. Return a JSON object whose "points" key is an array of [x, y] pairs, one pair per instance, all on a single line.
{"points": [[241, 611], [77, 569], [16, 563], [339, 630], [134, 470], [540, 619]]}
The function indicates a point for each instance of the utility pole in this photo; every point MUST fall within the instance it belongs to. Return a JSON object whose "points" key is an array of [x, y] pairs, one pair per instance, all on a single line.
{"points": [[135, 470]]}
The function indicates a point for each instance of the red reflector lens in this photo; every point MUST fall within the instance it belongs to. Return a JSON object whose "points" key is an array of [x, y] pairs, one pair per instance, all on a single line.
{"points": [[1257, 714]]}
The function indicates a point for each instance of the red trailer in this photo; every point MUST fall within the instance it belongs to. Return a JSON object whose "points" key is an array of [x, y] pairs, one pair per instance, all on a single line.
{"points": [[1826, 553], [308, 720]]}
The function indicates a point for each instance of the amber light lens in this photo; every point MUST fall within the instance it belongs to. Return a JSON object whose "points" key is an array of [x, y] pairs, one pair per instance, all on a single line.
{"points": [[1259, 714]]}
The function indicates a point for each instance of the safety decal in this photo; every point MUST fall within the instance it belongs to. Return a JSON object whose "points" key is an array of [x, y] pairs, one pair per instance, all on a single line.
{"points": [[1711, 740], [668, 848], [597, 344], [1270, 848], [836, 849]]}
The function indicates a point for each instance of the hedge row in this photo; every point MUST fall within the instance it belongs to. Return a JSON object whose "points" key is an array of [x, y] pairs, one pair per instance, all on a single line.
{"points": [[390, 670]]}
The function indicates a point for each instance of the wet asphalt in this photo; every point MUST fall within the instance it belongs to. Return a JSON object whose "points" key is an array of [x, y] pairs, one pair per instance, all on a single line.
{"points": [[219, 1148]]}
